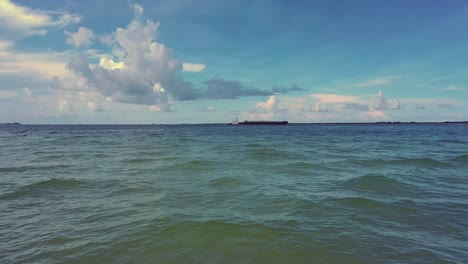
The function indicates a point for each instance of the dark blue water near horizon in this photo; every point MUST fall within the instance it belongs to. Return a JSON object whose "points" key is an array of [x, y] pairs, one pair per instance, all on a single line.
{"points": [[301, 193]]}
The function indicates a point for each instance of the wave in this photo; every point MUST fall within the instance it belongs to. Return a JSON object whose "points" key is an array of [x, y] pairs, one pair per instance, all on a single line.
{"points": [[129, 190], [461, 159], [269, 153], [376, 183], [19, 132], [45, 186], [155, 134], [138, 160], [33, 168], [195, 165], [149, 153], [227, 182], [421, 162], [451, 141], [309, 166], [252, 145], [188, 139], [304, 165], [359, 202], [102, 156], [416, 162], [374, 208]]}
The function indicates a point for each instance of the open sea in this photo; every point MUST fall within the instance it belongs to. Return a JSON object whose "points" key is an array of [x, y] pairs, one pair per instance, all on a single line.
{"points": [[308, 193]]}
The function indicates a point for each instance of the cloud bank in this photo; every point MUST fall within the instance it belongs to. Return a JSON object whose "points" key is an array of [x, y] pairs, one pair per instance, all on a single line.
{"points": [[324, 108]]}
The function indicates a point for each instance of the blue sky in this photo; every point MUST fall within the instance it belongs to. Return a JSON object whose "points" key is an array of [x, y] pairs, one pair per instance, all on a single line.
{"points": [[180, 61]]}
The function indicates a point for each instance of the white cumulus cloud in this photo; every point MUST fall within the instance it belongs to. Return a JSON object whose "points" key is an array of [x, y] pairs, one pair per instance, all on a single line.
{"points": [[381, 103], [269, 105], [264, 110], [82, 38], [138, 9], [63, 105], [136, 66], [193, 67], [111, 64]]}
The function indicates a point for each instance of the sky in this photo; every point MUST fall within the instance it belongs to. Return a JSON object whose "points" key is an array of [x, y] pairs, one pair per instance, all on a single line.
{"points": [[211, 61]]}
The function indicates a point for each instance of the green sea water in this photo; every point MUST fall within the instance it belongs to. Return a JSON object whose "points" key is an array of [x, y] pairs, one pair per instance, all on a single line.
{"points": [[349, 193]]}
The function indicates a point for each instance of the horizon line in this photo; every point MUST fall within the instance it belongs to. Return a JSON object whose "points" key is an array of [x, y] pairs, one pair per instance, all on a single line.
{"points": [[217, 123]]}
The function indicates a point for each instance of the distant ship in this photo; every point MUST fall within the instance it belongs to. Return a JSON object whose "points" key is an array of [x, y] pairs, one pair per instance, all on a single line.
{"points": [[236, 122]]}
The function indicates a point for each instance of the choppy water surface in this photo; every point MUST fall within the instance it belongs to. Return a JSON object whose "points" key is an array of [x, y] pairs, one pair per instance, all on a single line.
{"points": [[234, 194]]}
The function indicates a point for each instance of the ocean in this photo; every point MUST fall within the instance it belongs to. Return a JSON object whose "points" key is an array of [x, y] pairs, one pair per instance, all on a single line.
{"points": [[300, 193]]}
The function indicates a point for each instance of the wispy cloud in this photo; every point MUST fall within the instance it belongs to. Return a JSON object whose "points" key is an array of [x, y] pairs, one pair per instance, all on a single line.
{"points": [[379, 81], [454, 88], [433, 102], [19, 21], [334, 98], [209, 108], [440, 78], [16, 22], [42, 66], [7, 94]]}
